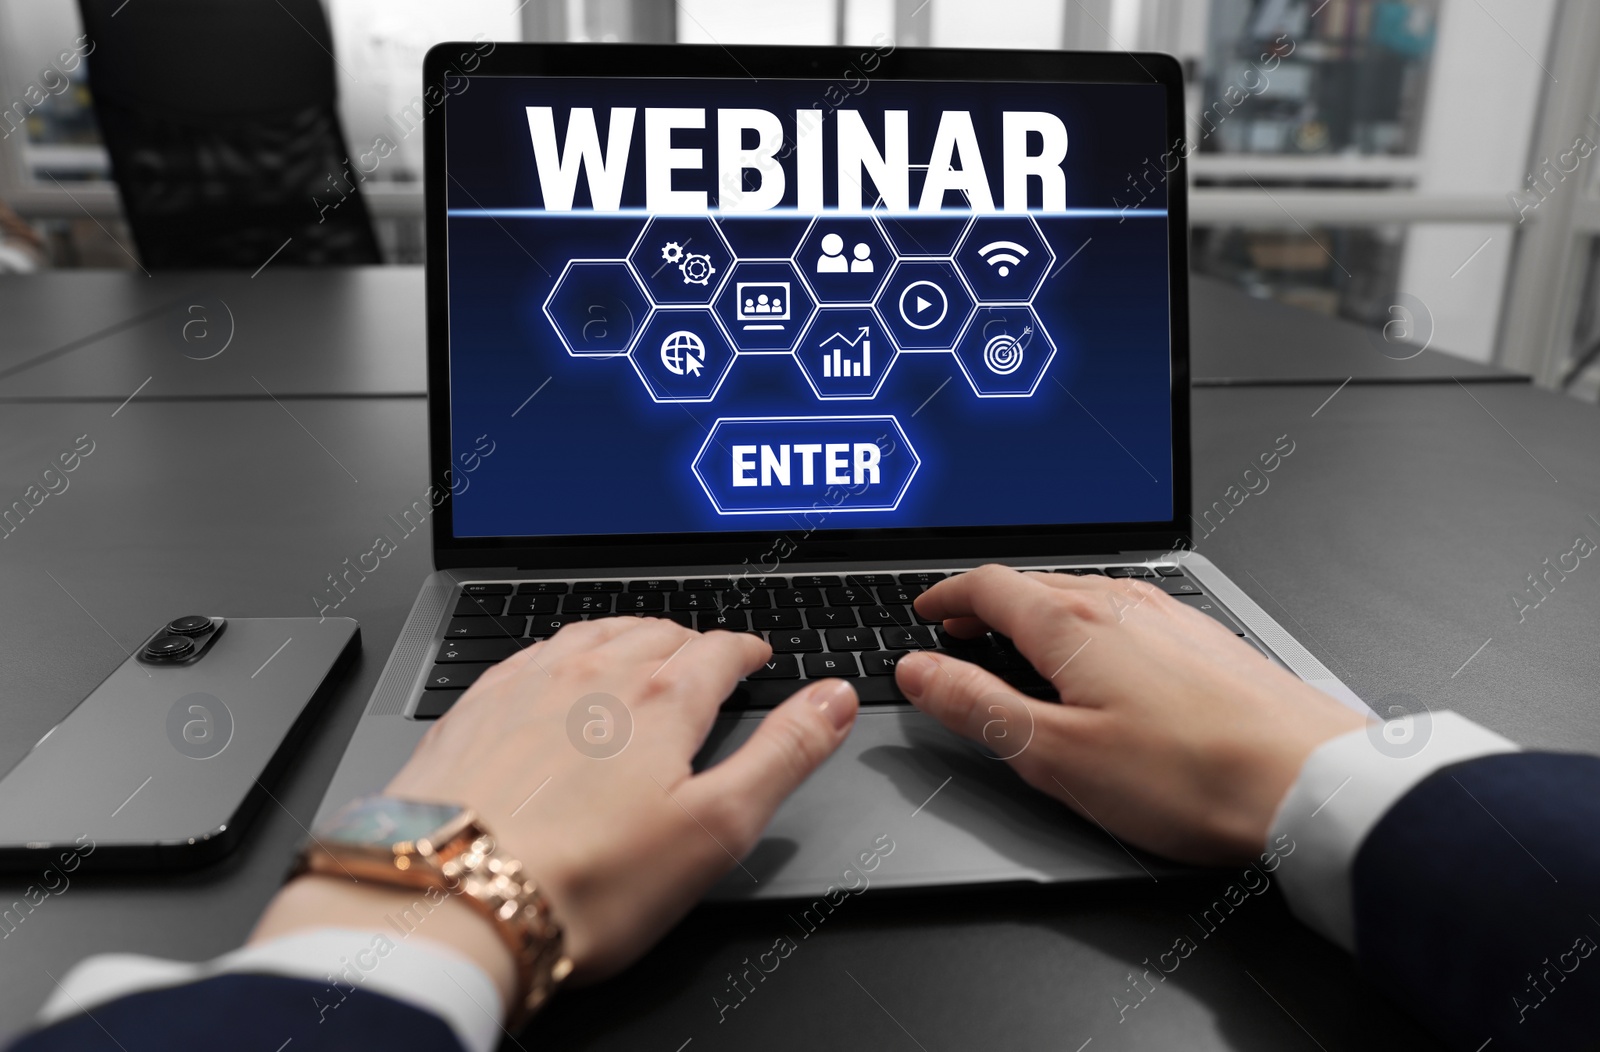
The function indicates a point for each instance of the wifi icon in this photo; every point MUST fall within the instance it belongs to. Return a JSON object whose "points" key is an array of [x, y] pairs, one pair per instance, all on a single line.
{"points": [[1003, 255]]}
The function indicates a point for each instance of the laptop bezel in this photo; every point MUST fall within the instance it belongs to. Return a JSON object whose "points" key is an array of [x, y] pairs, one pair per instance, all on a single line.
{"points": [[443, 72]]}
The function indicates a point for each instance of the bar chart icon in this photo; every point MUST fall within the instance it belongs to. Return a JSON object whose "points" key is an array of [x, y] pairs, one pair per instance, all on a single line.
{"points": [[845, 356]]}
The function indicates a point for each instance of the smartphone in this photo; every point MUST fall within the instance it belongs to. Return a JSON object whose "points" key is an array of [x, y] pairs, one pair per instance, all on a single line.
{"points": [[166, 762]]}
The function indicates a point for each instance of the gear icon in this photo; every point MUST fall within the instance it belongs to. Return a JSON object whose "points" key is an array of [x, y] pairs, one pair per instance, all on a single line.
{"points": [[696, 268], [672, 252]]}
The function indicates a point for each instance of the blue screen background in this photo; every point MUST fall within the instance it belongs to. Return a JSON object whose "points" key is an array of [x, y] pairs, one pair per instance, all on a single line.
{"points": [[593, 453]]}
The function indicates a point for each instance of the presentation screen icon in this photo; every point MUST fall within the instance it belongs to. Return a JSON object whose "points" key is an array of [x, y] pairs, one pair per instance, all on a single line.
{"points": [[762, 304]]}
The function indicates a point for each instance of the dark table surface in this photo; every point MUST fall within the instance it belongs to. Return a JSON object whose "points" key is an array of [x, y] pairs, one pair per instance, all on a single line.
{"points": [[358, 332], [1390, 542], [1239, 339]]}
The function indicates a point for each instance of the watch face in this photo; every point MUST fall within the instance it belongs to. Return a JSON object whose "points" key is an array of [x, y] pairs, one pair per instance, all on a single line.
{"points": [[379, 821]]}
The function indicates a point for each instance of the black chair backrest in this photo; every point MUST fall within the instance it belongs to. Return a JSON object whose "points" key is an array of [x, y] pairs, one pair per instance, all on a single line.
{"points": [[222, 124]]}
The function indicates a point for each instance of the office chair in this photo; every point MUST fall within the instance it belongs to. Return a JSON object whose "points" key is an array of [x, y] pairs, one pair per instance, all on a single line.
{"points": [[223, 131]]}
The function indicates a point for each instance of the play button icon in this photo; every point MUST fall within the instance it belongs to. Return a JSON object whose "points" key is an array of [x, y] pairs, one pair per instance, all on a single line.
{"points": [[923, 305]]}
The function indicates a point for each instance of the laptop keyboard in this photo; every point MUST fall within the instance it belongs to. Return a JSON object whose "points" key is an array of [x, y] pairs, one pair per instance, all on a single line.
{"points": [[853, 625]]}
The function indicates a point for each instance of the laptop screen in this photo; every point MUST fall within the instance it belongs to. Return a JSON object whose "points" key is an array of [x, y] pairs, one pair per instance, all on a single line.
{"points": [[685, 306]]}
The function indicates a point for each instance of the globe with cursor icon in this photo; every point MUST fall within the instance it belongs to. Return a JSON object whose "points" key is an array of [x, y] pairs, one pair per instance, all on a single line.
{"points": [[683, 353]]}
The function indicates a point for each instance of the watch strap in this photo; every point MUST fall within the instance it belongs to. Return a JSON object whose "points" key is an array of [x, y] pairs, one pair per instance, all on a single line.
{"points": [[498, 887]]}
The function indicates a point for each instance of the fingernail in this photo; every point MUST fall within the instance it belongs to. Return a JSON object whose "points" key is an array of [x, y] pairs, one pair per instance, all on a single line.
{"points": [[911, 673], [832, 699]]}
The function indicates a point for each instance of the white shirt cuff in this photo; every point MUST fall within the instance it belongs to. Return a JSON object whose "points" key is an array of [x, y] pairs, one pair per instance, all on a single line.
{"points": [[1347, 784], [414, 970]]}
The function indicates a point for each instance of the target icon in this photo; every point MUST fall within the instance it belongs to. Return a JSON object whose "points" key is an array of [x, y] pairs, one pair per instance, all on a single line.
{"points": [[1002, 355]]}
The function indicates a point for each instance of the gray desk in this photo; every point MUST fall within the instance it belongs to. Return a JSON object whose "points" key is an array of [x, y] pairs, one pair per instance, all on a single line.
{"points": [[1390, 541], [1237, 339], [358, 332], [354, 331]]}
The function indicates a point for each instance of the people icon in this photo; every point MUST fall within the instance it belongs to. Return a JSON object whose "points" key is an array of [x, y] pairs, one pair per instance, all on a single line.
{"points": [[832, 260], [763, 304]]}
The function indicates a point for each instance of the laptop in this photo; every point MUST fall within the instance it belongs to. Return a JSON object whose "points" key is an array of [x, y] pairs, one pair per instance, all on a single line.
{"points": [[773, 339]]}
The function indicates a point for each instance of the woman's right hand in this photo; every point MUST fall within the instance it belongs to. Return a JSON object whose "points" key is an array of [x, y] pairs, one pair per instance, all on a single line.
{"points": [[1172, 733]]}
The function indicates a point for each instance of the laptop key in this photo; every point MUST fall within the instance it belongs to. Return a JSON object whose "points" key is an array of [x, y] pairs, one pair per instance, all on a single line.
{"points": [[852, 639], [586, 603], [597, 586], [1129, 571], [695, 600], [795, 640], [779, 666], [480, 605], [753, 599], [436, 703], [1207, 605], [549, 624], [831, 617], [1170, 571], [1177, 586], [641, 602], [975, 650], [880, 663], [820, 665], [1003, 657], [817, 581], [868, 580], [849, 596], [534, 604], [542, 588], [659, 584], [921, 579], [754, 693], [775, 618], [896, 595], [919, 637], [706, 584], [884, 615], [454, 677], [485, 627], [1083, 571], [486, 588], [797, 597], [726, 620], [456, 650]]}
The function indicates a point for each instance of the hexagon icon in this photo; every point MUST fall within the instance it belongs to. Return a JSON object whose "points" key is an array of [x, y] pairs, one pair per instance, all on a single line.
{"points": [[923, 235], [682, 355], [681, 259], [924, 305], [1005, 352], [1004, 258], [764, 306], [815, 465], [844, 258], [597, 308], [846, 353]]}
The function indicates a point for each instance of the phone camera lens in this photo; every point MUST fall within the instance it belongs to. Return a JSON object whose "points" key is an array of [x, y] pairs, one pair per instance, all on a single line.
{"points": [[192, 625], [167, 648]]}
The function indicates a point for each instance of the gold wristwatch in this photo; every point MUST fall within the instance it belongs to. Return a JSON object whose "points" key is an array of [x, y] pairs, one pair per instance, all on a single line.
{"points": [[416, 844]]}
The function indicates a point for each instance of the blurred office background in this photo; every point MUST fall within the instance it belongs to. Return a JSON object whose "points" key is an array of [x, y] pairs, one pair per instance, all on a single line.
{"points": [[1354, 156]]}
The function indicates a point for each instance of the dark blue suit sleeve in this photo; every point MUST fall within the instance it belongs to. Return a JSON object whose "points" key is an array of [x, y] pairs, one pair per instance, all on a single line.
{"points": [[248, 1013], [1476, 898]]}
